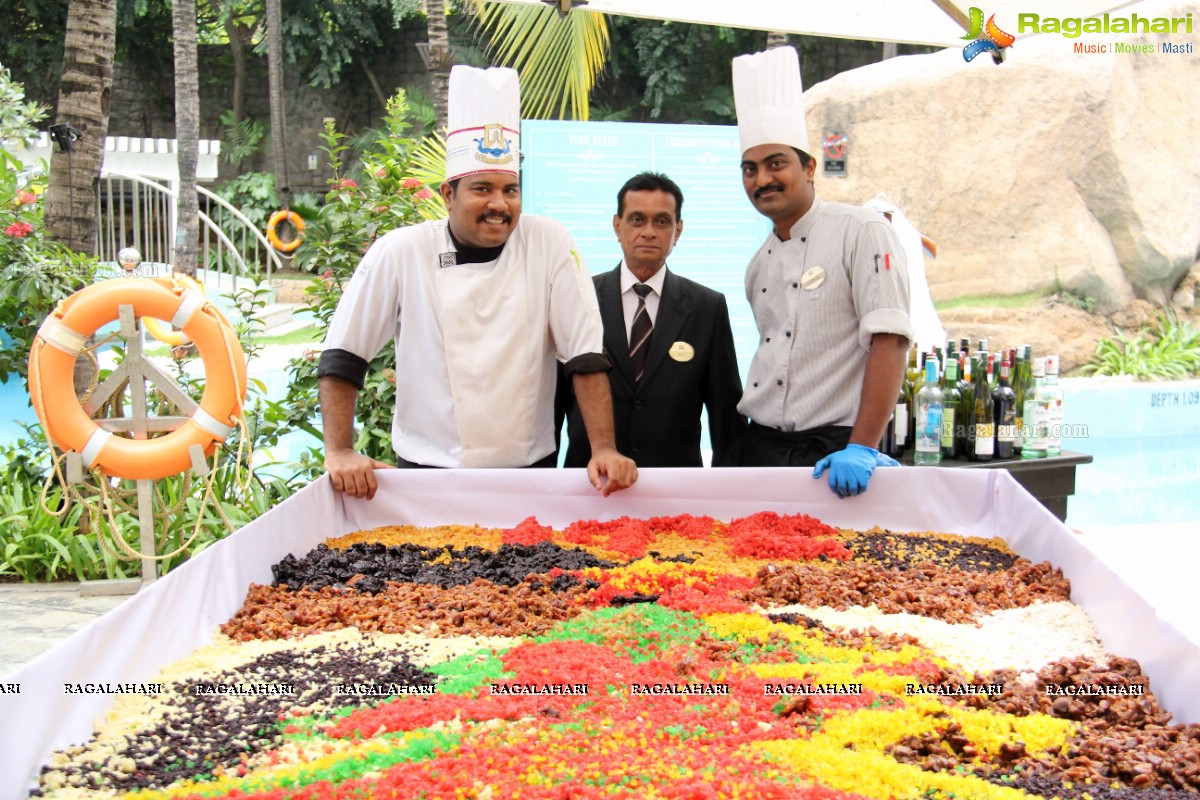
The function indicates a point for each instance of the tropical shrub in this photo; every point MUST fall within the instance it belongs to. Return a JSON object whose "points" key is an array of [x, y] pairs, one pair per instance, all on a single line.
{"points": [[1167, 350]]}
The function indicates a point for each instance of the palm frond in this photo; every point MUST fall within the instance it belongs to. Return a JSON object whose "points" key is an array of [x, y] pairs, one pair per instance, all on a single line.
{"points": [[559, 58], [428, 164]]}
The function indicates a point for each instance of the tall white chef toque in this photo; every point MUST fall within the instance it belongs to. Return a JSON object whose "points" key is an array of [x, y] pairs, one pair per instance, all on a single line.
{"points": [[484, 122], [769, 99]]}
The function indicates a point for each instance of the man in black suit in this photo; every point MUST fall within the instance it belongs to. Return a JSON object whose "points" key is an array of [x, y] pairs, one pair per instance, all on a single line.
{"points": [[672, 331]]}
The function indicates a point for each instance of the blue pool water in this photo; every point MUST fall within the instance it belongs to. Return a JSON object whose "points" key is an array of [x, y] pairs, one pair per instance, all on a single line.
{"points": [[1144, 439]]}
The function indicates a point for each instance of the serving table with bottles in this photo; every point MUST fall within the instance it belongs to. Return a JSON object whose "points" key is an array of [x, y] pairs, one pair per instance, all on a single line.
{"points": [[1051, 479]]}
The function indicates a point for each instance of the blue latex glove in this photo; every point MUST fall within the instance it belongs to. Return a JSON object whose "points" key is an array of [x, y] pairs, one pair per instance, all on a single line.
{"points": [[850, 469]]}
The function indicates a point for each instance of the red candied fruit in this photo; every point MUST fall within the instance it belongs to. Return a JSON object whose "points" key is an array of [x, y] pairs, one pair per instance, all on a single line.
{"points": [[796, 537], [528, 531]]}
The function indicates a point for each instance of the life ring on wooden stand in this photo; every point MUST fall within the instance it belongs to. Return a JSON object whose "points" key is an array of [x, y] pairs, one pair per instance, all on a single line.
{"points": [[163, 332], [63, 335], [273, 237]]}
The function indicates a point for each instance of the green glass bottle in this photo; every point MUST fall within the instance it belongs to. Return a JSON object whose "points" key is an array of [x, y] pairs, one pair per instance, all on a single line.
{"points": [[951, 400], [981, 426]]}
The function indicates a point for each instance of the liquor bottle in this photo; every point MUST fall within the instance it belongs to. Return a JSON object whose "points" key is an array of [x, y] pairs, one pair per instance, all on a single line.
{"points": [[928, 434], [981, 426], [966, 407], [991, 371], [951, 400], [1051, 394], [1022, 383], [912, 380], [1033, 443], [895, 435], [1004, 401]]}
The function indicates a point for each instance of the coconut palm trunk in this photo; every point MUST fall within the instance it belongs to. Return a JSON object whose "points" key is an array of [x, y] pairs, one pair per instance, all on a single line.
{"points": [[275, 95], [83, 104], [187, 132], [439, 60]]}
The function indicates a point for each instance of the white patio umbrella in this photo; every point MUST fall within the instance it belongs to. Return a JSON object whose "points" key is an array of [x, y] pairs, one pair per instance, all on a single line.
{"points": [[938, 23]]}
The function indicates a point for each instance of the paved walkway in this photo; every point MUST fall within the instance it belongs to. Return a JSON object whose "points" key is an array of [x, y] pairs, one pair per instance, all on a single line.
{"points": [[36, 616]]}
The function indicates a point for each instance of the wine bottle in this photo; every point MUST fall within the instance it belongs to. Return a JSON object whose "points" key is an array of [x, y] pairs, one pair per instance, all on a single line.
{"points": [[928, 450], [951, 400], [1033, 442], [982, 435], [1052, 395], [912, 380], [966, 406], [1004, 413]]}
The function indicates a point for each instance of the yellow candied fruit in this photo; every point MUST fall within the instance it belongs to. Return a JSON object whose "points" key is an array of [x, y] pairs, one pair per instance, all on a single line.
{"points": [[457, 536], [874, 774]]}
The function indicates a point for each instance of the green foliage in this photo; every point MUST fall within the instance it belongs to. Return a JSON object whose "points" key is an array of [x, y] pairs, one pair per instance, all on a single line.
{"points": [[385, 194], [35, 272], [1167, 350], [654, 74], [252, 193], [241, 139], [322, 38]]}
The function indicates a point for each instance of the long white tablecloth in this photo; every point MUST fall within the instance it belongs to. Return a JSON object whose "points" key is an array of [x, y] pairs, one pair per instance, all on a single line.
{"points": [[180, 612]]}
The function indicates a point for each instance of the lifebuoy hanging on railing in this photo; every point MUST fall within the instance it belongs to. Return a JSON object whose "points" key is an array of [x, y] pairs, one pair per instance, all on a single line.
{"points": [[163, 332], [296, 221], [65, 332]]}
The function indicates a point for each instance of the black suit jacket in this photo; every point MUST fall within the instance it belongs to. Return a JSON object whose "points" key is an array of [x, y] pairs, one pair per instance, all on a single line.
{"points": [[658, 419]]}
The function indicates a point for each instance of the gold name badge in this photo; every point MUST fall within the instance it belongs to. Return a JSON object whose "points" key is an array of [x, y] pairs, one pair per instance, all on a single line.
{"points": [[682, 351], [812, 278]]}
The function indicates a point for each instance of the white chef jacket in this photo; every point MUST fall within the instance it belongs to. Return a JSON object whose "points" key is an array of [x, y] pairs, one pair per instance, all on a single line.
{"points": [[817, 300], [476, 344]]}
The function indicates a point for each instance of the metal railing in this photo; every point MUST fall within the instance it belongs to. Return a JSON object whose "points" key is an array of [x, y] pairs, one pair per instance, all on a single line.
{"points": [[133, 211]]}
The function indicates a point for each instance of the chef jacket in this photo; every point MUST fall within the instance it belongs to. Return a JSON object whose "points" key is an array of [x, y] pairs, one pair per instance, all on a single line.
{"points": [[476, 344], [817, 300]]}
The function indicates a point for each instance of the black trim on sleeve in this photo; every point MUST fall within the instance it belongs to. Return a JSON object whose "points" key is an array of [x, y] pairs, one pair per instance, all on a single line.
{"points": [[587, 364], [343, 364]]}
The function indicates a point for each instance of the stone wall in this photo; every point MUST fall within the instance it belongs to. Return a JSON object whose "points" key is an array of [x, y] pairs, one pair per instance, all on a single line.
{"points": [[143, 105]]}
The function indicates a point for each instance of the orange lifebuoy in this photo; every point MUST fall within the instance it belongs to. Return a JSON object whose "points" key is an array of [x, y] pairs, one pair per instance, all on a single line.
{"points": [[70, 426], [163, 332], [273, 237]]}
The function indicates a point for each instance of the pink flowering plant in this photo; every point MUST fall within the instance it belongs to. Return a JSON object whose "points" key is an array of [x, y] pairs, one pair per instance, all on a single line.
{"points": [[385, 188], [35, 272]]}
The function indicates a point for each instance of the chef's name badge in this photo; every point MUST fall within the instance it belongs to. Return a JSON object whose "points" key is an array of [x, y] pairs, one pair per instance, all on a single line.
{"points": [[812, 278], [682, 351]]}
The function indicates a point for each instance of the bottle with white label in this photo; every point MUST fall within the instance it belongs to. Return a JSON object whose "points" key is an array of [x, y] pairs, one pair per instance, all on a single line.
{"points": [[1052, 396], [1033, 433], [981, 434], [928, 434]]}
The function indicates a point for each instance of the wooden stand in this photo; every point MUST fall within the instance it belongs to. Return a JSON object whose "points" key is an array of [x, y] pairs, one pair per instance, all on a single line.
{"points": [[137, 369]]}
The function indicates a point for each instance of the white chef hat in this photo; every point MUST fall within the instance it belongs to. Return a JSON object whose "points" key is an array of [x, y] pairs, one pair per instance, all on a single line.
{"points": [[769, 99], [484, 122]]}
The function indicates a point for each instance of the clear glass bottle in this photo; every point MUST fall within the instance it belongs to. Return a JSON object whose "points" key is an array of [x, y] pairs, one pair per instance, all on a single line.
{"points": [[928, 450], [1004, 412], [1052, 396], [951, 400], [1033, 434]]}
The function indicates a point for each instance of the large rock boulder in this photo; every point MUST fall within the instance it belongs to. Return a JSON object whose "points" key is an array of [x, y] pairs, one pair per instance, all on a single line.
{"points": [[1054, 169]]}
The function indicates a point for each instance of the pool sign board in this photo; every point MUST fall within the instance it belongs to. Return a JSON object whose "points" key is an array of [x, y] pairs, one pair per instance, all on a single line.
{"points": [[572, 171]]}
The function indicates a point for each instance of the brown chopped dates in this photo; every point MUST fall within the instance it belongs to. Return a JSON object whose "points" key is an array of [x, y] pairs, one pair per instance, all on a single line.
{"points": [[479, 609]]}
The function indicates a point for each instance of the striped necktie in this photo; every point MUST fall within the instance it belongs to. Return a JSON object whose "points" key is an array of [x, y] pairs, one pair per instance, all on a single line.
{"points": [[639, 334]]}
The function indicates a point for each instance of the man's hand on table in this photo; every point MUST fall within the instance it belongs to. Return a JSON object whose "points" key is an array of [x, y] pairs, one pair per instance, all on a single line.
{"points": [[620, 470], [352, 473]]}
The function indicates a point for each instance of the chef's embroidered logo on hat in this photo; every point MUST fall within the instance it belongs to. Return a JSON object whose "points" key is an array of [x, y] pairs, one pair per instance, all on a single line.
{"points": [[484, 122], [987, 38], [494, 147]]}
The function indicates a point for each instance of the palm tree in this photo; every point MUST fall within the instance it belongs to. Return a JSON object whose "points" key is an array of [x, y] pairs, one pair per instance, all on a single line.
{"points": [[559, 57], [275, 96], [83, 102], [438, 59], [187, 132]]}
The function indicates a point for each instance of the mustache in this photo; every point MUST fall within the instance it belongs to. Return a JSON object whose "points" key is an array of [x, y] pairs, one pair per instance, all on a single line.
{"points": [[771, 187], [483, 217]]}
